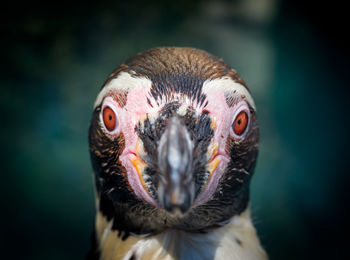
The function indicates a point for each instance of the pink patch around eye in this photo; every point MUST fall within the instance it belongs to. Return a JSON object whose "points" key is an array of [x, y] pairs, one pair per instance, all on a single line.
{"points": [[229, 122]]}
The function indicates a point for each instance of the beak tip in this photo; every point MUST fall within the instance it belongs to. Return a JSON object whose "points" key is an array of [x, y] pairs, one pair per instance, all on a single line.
{"points": [[177, 210], [177, 206]]}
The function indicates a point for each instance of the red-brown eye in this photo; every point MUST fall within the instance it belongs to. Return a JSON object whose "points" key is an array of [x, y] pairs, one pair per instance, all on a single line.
{"points": [[109, 118], [240, 123]]}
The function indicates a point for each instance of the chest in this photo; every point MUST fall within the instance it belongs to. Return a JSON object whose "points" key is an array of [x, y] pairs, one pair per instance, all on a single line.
{"points": [[235, 240]]}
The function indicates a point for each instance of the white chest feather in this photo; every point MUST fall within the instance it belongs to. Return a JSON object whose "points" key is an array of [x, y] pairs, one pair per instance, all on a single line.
{"points": [[236, 240]]}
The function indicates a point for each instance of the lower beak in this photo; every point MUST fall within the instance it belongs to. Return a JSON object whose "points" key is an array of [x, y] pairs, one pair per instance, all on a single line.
{"points": [[176, 187]]}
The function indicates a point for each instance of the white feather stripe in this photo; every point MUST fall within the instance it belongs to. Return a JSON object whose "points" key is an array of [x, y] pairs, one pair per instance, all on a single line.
{"points": [[229, 87], [124, 81], [237, 240]]}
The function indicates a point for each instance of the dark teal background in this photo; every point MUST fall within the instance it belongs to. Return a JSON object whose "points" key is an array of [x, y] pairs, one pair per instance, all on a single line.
{"points": [[56, 56]]}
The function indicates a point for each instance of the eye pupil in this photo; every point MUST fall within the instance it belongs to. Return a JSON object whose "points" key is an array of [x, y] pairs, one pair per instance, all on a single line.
{"points": [[109, 118], [240, 123]]}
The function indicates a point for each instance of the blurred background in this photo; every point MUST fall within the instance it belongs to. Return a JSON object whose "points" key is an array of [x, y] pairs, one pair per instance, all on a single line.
{"points": [[56, 56]]}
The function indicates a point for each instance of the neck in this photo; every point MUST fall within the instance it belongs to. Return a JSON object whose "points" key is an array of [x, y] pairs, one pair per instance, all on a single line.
{"points": [[236, 240]]}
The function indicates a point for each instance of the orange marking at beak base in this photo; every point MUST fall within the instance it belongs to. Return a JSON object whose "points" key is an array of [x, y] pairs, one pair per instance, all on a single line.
{"points": [[213, 165], [139, 147], [212, 151], [213, 125], [139, 165]]}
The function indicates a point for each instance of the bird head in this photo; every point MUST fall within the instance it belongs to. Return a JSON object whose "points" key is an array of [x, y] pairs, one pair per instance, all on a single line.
{"points": [[173, 142]]}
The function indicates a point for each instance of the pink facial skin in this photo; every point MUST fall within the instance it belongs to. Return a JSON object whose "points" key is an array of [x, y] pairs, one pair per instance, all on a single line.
{"points": [[137, 108], [128, 117], [223, 116]]}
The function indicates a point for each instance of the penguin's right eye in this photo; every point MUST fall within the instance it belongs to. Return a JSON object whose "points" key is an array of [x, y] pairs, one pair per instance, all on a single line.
{"points": [[109, 116]]}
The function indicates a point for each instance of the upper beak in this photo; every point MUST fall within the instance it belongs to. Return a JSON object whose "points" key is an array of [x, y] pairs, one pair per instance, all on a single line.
{"points": [[176, 188]]}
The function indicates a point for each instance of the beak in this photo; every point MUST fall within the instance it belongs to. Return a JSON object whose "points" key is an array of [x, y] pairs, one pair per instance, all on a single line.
{"points": [[176, 188]]}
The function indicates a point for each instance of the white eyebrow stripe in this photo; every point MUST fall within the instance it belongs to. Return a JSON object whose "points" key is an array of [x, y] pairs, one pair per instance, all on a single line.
{"points": [[124, 81], [228, 87]]}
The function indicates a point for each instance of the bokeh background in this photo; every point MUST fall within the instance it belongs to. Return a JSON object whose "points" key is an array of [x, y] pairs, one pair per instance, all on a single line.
{"points": [[56, 55]]}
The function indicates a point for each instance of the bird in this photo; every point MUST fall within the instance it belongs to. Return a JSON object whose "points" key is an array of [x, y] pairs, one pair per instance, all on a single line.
{"points": [[173, 143]]}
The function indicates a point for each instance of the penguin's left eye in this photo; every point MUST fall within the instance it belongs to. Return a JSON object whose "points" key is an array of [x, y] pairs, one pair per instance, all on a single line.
{"points": [[240, 121]]}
